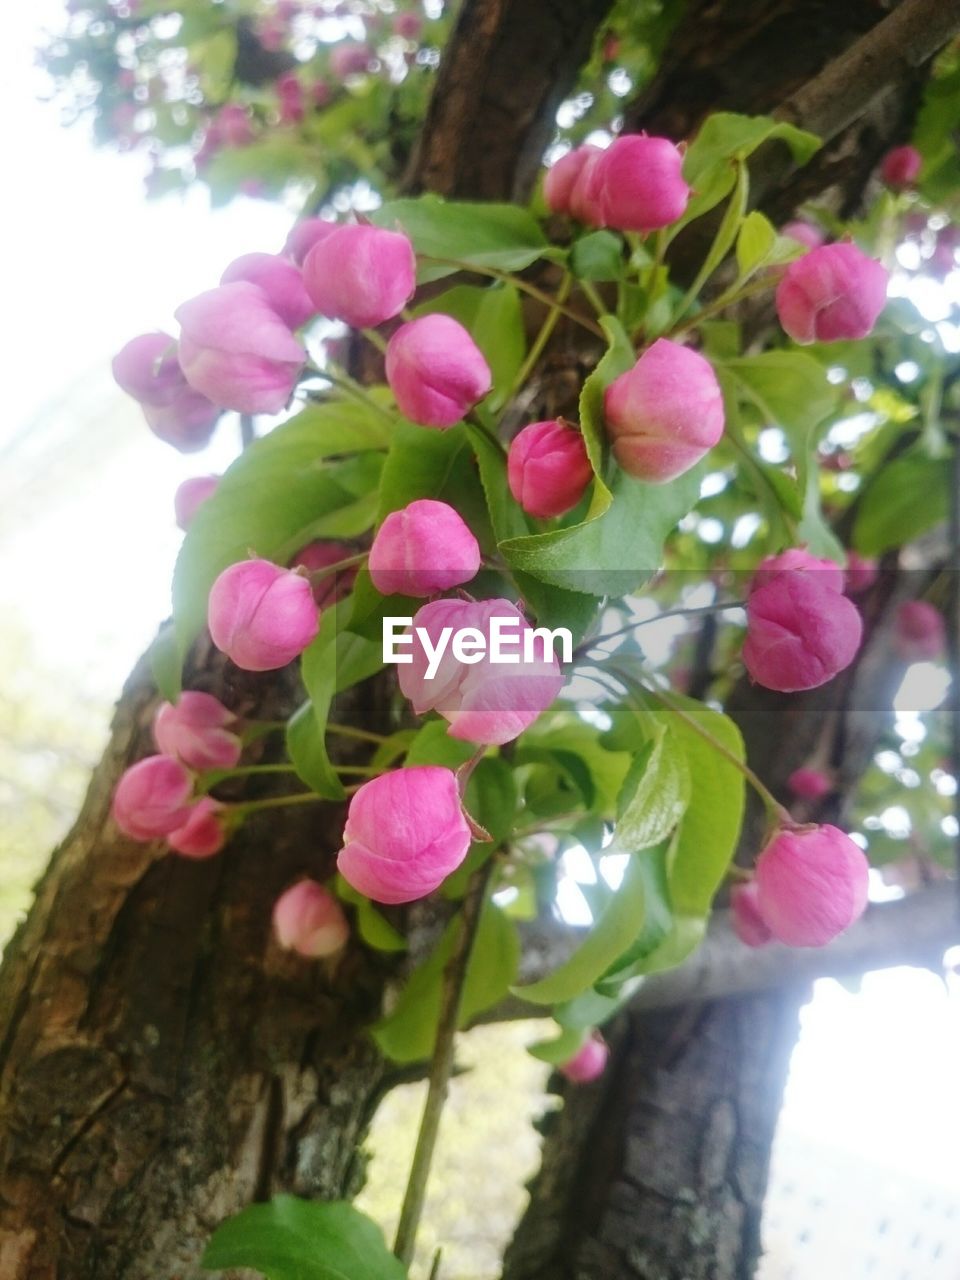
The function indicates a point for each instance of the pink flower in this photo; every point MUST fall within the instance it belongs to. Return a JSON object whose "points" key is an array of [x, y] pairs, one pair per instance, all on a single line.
{"points": [[748, 923], [196, 731], [361, 275], [236, 350], [147, 368], [800, 633], [232, 125], [562, 176], [547, 468], [798, 560], [901, 167], [423, 549], [584, 201], [405, 833], [349, 60], [308, 919], [280, 280], [190, 496], [589, 1062], [639, 183], [665, 414], [152, 798], [260, 615], [831, 293], [332, 587], [811, 885], [484, 701], [862, 572], [186, 423], [304, 235], [919, 632], [291, 96], [407, 26], [436, 371], [804, 233], [203, 834], [809, 784]]}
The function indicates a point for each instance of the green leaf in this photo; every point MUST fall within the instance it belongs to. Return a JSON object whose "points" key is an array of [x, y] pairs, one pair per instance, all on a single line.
{"points": [[374, 930], [291, 1239], [755, 243], [433, 745], [561, 1048], [307, 748], [494, 318], [491, 797], [655, 794], [597, 256], [906, 498], [500, 236]]}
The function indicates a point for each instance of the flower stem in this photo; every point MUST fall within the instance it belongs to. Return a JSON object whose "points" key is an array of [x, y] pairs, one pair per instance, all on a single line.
{"points": [[586, 645], [542, 338], [275, 802], [348, 731], [213, 777], [316, 575], [375, 339]]}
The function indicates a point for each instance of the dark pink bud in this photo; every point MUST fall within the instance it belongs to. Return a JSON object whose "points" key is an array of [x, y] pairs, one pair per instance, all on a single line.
{"points": [[197, 731], [308, 919], [798, 560], [423, 549], [408, 26], [190, 496], [260, 615], [919, 632], [639, 183], [349, 60], [203, 834], [831, 293], [304, 235], [332, 587], [809, 784], [280, 280], [152, 798], [811, 885], [665, 414], [232, 125], [800, 633], [405, 833], [862, 572], [589, 1062], [436, 371], [901, 167], [748, 923], [547, 468], [271, 31], [804, 233], [321, 94], [361, 275]]}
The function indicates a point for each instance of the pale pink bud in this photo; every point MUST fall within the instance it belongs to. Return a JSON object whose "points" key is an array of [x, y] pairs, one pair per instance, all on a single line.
{"points": [[809, 784], [260, 615], [831, 293], [748, 923], [862, 572], [589, 1062], [236, 350], [639, 183], [308, 919], [901, 167], [408, 26], [280, 280], [423, 549], [562, 176], [436, 371], [304, 235], [361, 275], [798, 560], [804, 233], [811, 885], [547, 468], [232, 125], [800, 633], [349, 60], [203, 834], [197, 731], [186, 422], [147, 368], [484, 701], [664, 414], [190, 496], [919, 632], [152, 798], [332, 587], [584, 201], [271, 31], [405, 833]]}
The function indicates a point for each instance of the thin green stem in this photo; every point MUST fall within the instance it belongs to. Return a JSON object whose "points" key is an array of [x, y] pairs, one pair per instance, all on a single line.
{"points": [[541, 340], [586, 645], [375, 339], [476, 421], [720, 303], [594, 298], [275, 802], [348, 731], [347, 384], [358, 770], [213, 777], [317, 575]]}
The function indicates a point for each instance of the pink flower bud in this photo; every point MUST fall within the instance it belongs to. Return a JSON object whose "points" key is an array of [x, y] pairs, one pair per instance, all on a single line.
{"points": [[562, 176], [292, 100], [665, 413], [901, 167], [260, 615], [408, 26], [589, 1062], [811, 885], [196, 732], [280, 280], [148, 369], [405, 833], [186, 423], [800, 633], [639, 183], [332, 587], [190, 496], [584, 200], [308, 919], [831, 293], [423, 549], [271, 31], [321, 94], [203, 834], [349, 60], [232, 125], [304, 235], [152, 798], [484, 701], [798, 560], [804, 233], [236, 350], [436, 371], [748, 923], [809, 784], [919, 632], [361, 275], [862, 572], [547, 468]]}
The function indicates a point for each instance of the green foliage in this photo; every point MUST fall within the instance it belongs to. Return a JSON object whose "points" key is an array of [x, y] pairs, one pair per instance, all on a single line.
{"points": [[908, 497]]}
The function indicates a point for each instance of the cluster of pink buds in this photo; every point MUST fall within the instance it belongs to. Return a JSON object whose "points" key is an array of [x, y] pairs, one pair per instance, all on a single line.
{"points": [[636, 184]]}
